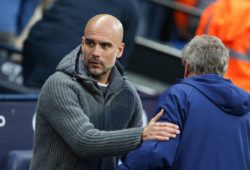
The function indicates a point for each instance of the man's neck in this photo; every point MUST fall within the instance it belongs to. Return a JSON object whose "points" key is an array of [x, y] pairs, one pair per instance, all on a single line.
{"points": [[102, 84], [190, 74], [101, 80]]}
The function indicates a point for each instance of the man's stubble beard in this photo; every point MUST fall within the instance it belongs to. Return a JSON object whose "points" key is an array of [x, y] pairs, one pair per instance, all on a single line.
{"points": [[97, 73]]}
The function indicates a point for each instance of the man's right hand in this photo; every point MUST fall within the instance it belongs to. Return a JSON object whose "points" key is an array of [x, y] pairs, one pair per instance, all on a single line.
{"points": [[160, 130]]}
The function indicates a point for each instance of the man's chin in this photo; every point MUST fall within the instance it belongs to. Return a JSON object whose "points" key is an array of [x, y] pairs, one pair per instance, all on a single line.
{"points": [[95, 72]]}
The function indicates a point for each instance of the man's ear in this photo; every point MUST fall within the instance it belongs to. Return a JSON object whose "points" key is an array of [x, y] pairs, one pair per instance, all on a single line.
{"points": [[120, 50], [83, 39]]}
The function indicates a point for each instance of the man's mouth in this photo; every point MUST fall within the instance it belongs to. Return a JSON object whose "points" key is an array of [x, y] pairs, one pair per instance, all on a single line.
{"points": [[95, 64]]}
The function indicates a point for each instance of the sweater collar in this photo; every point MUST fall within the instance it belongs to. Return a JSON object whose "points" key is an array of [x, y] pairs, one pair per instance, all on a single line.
{"points": [[72, 64]]}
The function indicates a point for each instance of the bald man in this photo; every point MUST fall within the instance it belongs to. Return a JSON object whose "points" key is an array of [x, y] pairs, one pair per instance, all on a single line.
{"points": [[88, 114], [60, 30]]}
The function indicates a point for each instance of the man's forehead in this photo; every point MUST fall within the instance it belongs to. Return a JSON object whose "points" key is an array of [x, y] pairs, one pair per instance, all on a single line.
{"points": [[96, 40], [101, 36], [103, 28], [99, 32]]}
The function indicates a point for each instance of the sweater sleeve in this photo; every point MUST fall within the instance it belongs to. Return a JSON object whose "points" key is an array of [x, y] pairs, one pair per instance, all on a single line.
{"points": [[59, 104]]}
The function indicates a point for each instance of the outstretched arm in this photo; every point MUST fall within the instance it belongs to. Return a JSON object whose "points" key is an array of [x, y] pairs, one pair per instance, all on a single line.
{"points": [[160, 130], [69, 120]]}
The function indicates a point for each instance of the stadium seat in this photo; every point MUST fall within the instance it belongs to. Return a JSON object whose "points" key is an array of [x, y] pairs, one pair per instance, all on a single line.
{"points": [[18, 160]]}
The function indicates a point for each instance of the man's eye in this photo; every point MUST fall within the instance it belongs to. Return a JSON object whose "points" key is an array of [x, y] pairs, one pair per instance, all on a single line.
{"points": [[90, 43], [105, 45]]}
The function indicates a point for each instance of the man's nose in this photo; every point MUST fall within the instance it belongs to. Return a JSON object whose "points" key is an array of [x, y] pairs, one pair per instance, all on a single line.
{"points": [[97, 51]]}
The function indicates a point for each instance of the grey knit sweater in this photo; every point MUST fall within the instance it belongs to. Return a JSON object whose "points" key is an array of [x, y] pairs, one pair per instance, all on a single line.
{"points": [[77, 127]]}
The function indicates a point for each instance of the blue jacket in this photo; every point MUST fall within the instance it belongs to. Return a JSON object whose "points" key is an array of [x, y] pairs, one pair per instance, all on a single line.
{"points": [[213, 116]]}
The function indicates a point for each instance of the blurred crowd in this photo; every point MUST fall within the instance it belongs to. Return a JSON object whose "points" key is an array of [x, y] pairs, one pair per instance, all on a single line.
{"points": [[45, 31]]}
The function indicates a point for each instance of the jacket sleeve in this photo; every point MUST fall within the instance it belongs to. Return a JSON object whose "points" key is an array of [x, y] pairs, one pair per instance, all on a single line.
{"points": [[153, 155], [59, 104]]}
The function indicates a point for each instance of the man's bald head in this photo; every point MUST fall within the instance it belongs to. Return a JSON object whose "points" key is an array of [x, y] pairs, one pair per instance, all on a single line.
{"points": [[106, 22], [102, 45]]}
